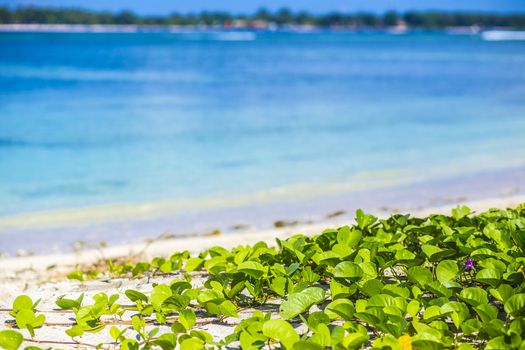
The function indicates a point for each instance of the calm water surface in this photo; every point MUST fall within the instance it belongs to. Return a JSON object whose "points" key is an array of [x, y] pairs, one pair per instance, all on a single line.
{"points": [[96, 119]]}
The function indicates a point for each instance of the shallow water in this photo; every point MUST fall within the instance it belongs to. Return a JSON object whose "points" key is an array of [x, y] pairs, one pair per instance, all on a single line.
{"points": [[101, 119]]}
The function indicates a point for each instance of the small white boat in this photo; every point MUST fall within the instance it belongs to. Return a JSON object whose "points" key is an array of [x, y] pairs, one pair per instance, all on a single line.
{"points": [[503, 35]]}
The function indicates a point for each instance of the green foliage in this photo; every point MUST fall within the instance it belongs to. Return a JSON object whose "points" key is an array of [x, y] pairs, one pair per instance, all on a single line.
{"points": [[70, 304], [24, 314], [440, 282], [88, 316], [300, 302], [10, 340], [76, 275], [282, 331]]}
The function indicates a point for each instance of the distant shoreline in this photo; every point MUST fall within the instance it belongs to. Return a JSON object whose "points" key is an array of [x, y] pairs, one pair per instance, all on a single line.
{"points": [[265, 19]]}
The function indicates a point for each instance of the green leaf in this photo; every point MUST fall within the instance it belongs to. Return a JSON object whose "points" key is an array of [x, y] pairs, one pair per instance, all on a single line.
{"points": [[501, 237], [140, 268], [515, 305], [227, 308], [316, 318], [194, 264], [457, 311], [301, 302], [435, 254], [327, 258], [460, 212], [22, 302], [348, 236], [447, 270], [490, 276], [474, 296], [114, 332], [386, 342], [75, 331], [178, 327], [404, 255], [355, 340], [419, 275], [431, 313], [486, 312], [187, 318], [498, 343], [482, 253], [518, 236], [129, 344], [166, 341], [153, 332], [138, 323], [369, 271], [134, 295], [192, 344], [278, 285], [371, 287], [502, 293], [339, 290], [337, 336], [69, 304], [178, 287], [321, 335], [340, 308], [381, 300], [307, 345], [252, 268], [159, 294], [364, 220], [175, 302], [348, 270], [373, 316], [470, 326], [26, 317], [10, 340], [282, 331], [439, 289], [76, 275], [413, 308], [427, 341]]}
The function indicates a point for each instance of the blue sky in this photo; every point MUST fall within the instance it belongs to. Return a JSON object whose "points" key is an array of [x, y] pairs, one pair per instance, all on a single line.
{"points": [[248, 6]]}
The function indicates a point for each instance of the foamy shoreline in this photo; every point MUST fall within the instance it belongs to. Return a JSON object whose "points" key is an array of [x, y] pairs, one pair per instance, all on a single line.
{"points": [[115, 225], [198, 243]]}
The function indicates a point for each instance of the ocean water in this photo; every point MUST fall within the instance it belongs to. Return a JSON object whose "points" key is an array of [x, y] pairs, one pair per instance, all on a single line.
{"points": [[98, 120]]}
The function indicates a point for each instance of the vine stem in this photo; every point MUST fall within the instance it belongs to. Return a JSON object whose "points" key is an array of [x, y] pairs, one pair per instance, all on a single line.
{"points": [[43, 341], [105, 323], [128, 323], [65, 311], [42, 311]]}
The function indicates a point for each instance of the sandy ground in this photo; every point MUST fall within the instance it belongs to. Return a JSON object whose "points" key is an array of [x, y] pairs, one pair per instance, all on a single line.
{"points": [[43, 277]]}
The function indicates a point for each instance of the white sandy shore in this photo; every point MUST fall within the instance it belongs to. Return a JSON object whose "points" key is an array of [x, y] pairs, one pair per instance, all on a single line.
{"points": [[43, 276]]}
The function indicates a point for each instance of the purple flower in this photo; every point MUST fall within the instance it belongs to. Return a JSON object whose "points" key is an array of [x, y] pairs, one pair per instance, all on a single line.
{"points": [[469, 264]]}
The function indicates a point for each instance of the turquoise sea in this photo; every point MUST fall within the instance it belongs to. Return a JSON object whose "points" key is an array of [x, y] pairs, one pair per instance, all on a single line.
{"points": [[160, 125]]}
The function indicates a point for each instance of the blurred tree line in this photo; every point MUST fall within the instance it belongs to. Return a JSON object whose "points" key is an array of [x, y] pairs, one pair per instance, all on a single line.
{"points": [[48, 15]]}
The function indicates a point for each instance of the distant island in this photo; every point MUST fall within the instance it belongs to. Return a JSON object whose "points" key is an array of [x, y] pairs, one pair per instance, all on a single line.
{"points": [[263, 19]]}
